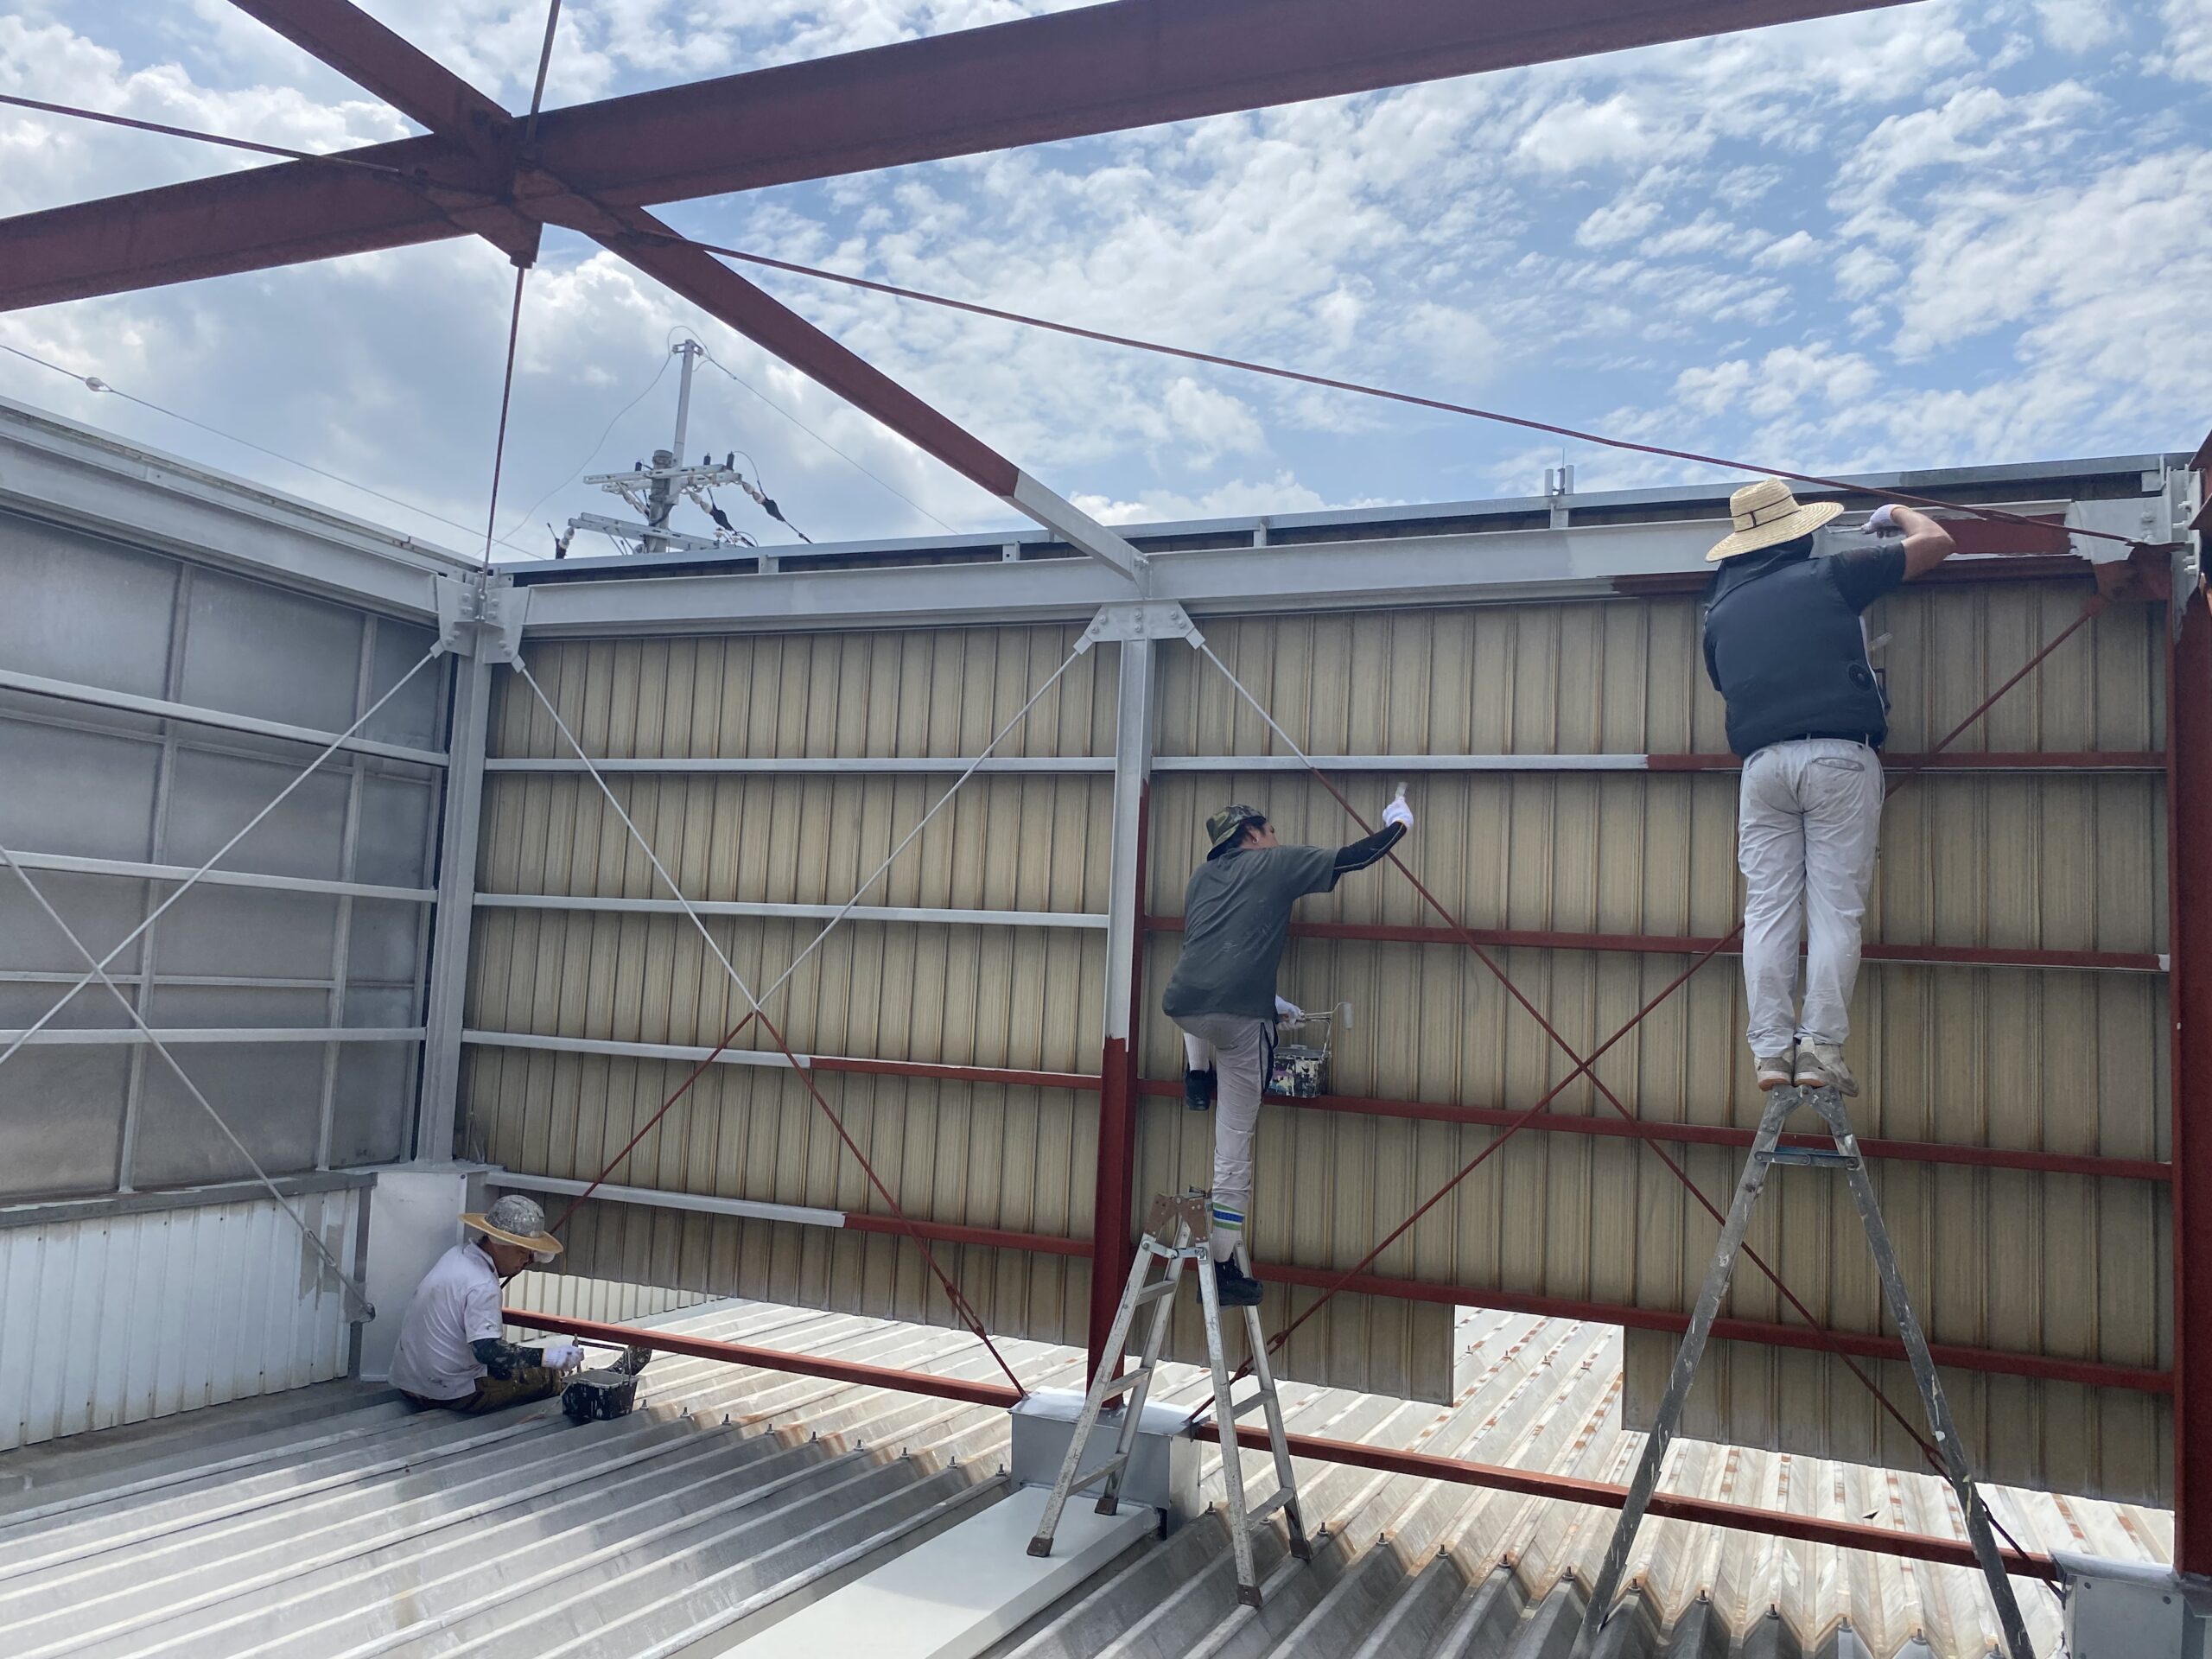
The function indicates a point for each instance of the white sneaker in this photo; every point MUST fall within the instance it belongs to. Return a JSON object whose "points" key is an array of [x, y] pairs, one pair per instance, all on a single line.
{"points": [[1821, 1065]]}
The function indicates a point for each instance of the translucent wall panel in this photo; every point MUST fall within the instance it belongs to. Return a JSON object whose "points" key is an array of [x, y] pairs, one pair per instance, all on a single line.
{"points": [[251, 649], [83, 610], [62, 1121]]}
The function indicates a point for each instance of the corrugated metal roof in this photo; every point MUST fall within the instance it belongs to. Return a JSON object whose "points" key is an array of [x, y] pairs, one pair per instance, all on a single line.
{"points": [[336, 1523]]}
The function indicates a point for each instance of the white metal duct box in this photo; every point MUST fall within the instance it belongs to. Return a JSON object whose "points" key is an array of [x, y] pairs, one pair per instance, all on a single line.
{"points": [[1163, 1471]]}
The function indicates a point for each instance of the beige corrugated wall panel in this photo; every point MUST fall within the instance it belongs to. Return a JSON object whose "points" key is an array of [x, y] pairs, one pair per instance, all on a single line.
{"points": [[2044, 1059], [986, 1155]]}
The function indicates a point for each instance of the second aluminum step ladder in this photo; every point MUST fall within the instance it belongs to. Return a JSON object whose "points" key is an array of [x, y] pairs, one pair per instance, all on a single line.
{"points": [[1176, 1234], [1844, 1157]]}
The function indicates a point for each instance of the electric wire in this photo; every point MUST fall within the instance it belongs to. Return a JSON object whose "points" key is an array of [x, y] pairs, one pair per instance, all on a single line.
{"points": [[164, 130], [953, 1292], [2094, 607], [146, 1032], [858, 466], [1330, 383], [506, 397], [94, 383], [605, 432], [216, 857]]}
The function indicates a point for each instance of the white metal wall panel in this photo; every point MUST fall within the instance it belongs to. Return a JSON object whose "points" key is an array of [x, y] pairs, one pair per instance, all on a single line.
{"points": [[2040, 1059], [115, 1318]]}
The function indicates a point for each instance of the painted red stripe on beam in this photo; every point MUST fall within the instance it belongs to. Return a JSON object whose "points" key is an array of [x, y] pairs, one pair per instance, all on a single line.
{"points": [[2095, 1374], [1842, 1534], [1012, 1076], [1716, 1135], [1567, 1488], [946, 1232], [1673, 944]]}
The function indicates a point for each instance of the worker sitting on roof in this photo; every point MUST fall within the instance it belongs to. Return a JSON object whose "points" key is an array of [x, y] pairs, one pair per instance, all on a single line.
{"points": [[1785, 646], [1235, 920], [452, 1350]]}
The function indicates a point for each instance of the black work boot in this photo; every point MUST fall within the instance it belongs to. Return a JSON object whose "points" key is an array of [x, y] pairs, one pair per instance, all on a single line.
{"points": [[1200, 1089], [1235, 1286]]}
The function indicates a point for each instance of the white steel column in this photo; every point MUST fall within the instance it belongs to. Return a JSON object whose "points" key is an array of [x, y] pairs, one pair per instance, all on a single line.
{"points": [[457, 842], [1132, 776]]}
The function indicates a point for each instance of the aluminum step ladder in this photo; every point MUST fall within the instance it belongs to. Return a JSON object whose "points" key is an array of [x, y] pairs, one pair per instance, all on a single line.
{"points": [[1843, 1156], [1177, 1233]]}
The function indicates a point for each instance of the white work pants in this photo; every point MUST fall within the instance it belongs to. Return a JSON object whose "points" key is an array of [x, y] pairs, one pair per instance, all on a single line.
{"points": [[1807, 829], [1241, 1047]]}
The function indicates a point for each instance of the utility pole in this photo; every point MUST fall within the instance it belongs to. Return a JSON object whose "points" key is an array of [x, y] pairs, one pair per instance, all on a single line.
{"points": [[652, 492], [668, 461]]}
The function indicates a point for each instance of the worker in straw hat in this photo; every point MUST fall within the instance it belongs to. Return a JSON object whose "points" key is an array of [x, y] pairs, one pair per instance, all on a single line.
{"points": [[1236, 921], [1785, 646], [452, 1350]]}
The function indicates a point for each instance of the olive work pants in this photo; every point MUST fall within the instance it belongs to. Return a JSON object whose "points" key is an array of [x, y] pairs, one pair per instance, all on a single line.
{"points": [[531, 1383]]}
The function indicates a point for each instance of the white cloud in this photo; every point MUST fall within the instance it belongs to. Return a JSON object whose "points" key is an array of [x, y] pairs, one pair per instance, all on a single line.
{"points": [[2078, 26], [1237, 499], [2187, 54], [1575, 135], [1794, 249]]}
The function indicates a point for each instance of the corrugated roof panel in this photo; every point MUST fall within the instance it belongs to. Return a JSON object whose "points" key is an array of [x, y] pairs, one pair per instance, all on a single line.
{"points": [[289, 1528]]}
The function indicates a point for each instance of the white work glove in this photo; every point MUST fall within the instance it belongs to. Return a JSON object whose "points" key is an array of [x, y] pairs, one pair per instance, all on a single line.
{"points": [[1883, 521], [1287, 1009], [564, 1355], [1398, 812]]}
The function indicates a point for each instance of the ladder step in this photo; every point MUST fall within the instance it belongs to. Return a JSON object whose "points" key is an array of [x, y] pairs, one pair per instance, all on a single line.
{"points": [[1125, 1382], [1238, 1407], [1112, 1466], [1280, 1499], [1152, 1292], [1816, 1157]]}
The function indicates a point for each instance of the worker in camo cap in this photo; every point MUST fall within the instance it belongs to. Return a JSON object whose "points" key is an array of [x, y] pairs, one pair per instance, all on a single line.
{"points": [[1785, 646], [1236, 921], [453, 1351]]}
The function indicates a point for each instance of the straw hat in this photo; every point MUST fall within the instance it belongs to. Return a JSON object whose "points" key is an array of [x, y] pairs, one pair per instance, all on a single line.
{"points": [[518, 1221], [1766, 515]]}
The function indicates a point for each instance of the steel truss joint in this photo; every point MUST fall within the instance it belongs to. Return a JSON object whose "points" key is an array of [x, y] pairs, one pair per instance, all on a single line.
{"points": [[1142, 619], [480, 614]]}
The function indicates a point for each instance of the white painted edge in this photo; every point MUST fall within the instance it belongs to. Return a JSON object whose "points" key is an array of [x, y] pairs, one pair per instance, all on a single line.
{"points": [[704, 1203]]}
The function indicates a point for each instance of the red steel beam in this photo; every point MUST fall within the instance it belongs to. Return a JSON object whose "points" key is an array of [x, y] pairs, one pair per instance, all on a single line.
{"points": [[1708, 1512], [1715, 1135], [1095, 70], [373, 58], [1075, 73], [1673, 944], [767, 1359], [1012, 1076], [1765, 1333], [939, 1232], [1955, 761], [1113, 1191], [2189, 841], [1762, 1332], [1842, 1534]]}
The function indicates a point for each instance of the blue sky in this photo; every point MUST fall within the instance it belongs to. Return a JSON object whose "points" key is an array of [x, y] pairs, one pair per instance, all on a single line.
{"points": [[1930, 235]]}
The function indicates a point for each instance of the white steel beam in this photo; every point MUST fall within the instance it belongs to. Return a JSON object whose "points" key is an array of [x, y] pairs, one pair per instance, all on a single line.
{"points": [[952, 915], [825, 765], [448, 981], [702, 1203], [162, 708], [1490, 566], [122, 866], [65, 473], [184, 1036], [693, 1052]]}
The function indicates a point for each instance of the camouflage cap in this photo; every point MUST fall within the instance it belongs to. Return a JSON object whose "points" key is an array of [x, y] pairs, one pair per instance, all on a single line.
{"points": [[1223, 826]]}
